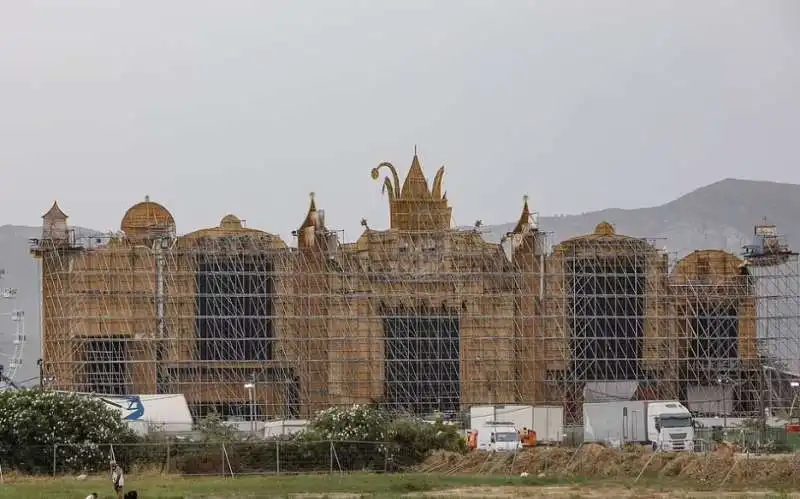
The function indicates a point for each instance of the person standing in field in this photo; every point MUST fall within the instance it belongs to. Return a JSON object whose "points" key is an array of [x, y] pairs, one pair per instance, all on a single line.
{"points": [[118, 480]]}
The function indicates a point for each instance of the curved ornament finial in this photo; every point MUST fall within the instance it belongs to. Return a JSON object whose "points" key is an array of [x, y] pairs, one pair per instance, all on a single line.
{"points": [[375, 173], [436, 190], [387, 187]]}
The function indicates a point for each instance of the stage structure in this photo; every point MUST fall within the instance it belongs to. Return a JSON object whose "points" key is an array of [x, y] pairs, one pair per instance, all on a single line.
{"points": [[419, 317]]}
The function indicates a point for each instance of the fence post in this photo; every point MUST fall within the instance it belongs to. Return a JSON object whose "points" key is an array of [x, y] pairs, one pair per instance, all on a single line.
{"points": [[222, 457], [278, 456], [55, 462], [168, 452], [330, 449]]}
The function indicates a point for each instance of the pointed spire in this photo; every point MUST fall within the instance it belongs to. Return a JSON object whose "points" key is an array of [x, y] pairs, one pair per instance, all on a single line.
{"points": [[55, 213], [416, 185], [312, 216], [524, 218]]}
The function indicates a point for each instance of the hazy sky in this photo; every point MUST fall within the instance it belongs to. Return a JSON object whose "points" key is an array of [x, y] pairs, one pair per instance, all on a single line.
{"points": [[246, 107]]}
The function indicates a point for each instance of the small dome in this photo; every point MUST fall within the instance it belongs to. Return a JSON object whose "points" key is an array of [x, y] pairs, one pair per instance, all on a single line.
{"points": [[604, 229], [231, 222], [712, 263], [147, 219]]}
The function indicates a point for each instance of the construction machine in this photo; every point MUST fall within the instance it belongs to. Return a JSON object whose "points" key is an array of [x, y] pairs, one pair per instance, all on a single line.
{"points": [[527, 437]]}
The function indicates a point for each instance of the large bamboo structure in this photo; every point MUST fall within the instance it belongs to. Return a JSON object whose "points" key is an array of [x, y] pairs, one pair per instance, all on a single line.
{"points": [[420, 317]]}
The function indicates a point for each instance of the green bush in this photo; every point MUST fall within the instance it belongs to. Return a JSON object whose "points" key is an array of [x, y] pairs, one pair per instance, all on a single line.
{"points": [[354, 438], [413, 440], [368, 438], [36, 424]]}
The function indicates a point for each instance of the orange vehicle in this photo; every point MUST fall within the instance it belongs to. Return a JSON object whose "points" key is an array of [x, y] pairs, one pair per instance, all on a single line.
{"points": [[472, 439], [528, 437]]}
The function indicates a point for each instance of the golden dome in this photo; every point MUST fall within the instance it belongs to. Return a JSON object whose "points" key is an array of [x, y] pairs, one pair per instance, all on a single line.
{"points": [[604, 229], [230, 222], [714, 264], [147, 219]]}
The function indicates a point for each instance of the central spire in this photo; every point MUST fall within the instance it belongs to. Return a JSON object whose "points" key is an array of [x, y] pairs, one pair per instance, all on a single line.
{"points": [[416, 185], [413, 206]]}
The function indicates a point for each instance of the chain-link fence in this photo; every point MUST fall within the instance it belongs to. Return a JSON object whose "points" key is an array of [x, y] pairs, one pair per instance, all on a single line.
{"points": [[231, 458], [228, 458]]}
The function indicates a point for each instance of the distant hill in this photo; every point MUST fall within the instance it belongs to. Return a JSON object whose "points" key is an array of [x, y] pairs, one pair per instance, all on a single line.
{"points": [[720, 215]]}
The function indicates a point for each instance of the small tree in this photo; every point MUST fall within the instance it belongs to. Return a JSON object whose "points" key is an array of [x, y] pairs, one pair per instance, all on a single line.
{"points": [[35, 424], [367, 437], [212, 429]]}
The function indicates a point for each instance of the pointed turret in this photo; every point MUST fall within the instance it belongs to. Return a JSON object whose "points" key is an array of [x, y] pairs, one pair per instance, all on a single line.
{"points": [[310, 226], [525, 222], [55, 213], [54, 223], [312, 216]]}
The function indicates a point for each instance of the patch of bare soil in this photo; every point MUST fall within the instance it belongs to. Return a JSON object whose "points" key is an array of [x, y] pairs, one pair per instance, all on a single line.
{"points": [[724, 468]]}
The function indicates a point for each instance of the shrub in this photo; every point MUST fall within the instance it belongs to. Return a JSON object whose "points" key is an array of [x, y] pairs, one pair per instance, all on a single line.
{"points": [[352, 438], [366, 437], [413, 440], [35, 424]]}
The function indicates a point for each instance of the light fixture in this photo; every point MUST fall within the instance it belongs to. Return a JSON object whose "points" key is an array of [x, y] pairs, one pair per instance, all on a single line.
{"points": [[249, 386], [794, 384]]}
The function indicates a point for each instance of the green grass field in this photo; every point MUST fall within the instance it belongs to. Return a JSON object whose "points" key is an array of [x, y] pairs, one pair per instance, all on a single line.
{"points": [[164, 487], [370, 485]]}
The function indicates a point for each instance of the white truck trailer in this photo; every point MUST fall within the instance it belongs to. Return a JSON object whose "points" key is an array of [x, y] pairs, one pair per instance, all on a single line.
{"points": [[546, 421], [168, 413], [664, 425]]}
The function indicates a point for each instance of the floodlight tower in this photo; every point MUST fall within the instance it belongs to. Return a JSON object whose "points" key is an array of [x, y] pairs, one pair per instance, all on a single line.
{"points": [[12, 334]]}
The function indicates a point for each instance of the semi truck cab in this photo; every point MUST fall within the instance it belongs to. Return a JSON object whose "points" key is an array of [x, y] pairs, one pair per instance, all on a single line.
{"points": [[669, 427]]}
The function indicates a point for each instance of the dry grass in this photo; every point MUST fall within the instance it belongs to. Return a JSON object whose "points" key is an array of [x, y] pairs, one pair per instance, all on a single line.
{"points": [[597, 462], [592, 472]]}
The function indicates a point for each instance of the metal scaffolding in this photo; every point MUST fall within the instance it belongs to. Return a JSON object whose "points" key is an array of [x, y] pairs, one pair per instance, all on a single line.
{"points": [[420, 317]]}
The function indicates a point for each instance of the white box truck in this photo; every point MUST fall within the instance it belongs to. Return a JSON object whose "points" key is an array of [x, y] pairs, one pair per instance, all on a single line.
{"points": [[498, 437], [664, 425]]}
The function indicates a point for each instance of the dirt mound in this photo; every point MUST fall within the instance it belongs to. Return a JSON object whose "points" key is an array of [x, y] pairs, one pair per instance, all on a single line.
{"points": [[592, 460]]}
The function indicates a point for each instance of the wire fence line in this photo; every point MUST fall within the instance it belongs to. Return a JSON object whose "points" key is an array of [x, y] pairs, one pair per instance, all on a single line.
{"points": [[297, 455], [236, 459], [286, 457], [227, 458]]}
